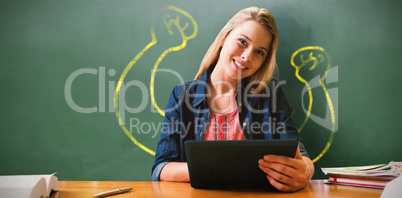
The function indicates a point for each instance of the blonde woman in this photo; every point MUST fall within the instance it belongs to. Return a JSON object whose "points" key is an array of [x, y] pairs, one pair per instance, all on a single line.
{"points": [[234, 97]]}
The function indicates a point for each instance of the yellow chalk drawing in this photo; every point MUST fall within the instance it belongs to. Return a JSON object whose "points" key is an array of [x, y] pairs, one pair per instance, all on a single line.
{"points": [[168, 23], [316, 61], [184, 37]]}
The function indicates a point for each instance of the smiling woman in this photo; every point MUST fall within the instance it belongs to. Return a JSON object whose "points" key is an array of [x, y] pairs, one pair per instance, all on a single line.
{"points": [[267, 21], [244, 49], [234, 91]]}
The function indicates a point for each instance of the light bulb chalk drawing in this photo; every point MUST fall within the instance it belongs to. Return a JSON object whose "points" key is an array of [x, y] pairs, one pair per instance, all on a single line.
{"points": [[168, 22], [320, 58]]}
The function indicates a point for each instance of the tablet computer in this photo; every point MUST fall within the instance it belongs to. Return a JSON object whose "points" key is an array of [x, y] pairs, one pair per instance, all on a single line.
{"points": [[232, 164]]}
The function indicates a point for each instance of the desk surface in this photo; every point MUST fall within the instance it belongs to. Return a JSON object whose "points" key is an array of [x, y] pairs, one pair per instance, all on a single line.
{"points": [[316, 188]]}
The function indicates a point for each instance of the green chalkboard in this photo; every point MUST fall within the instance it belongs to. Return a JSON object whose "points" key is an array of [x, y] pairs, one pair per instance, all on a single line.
{"points": [[62, 63]]}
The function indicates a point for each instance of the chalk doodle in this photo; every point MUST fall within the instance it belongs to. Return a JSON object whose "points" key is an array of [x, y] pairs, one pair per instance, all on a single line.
{"points": [[169, 20], [323, 57]]}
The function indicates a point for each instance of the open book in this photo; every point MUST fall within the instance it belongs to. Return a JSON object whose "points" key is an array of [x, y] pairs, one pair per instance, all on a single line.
{"points": [[28, 186]]}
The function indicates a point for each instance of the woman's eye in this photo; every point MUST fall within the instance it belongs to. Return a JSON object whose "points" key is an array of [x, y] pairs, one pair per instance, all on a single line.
{"points": [[260, 52], [242, 41]]}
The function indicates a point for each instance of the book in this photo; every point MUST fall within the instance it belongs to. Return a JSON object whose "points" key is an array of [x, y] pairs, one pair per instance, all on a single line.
{"points": [[374, 176], [28, 186], [362, 181]]}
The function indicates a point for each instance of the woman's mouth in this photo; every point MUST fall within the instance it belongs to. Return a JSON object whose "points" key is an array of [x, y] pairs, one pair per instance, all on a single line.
{"points": [[239, 66]]}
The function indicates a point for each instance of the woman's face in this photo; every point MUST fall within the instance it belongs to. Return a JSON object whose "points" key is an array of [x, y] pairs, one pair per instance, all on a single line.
{"points": [[244, 50]]}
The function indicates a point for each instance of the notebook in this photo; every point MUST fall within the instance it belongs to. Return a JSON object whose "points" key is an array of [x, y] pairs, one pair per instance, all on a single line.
{"points": [[232, 164]]}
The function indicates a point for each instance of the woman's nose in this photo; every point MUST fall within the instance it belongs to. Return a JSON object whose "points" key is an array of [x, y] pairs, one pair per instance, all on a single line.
{"points": [[247, 55]]}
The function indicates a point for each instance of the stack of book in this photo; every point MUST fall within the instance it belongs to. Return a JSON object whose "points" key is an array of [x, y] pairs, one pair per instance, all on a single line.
{"points": [[374, 176]]}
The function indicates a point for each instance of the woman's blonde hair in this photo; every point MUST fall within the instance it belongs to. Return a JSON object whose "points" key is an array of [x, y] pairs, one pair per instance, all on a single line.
{"points": [[263, 75]]}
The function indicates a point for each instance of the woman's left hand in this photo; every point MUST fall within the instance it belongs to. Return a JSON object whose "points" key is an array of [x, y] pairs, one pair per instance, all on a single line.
{"points": [[287, 174]]}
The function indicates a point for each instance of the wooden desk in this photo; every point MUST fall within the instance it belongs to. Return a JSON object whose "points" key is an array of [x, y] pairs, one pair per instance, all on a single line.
{"points": [[317, 188]]}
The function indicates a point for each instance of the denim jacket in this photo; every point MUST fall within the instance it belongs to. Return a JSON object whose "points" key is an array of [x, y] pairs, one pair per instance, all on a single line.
{"points": [[187, 115]]}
